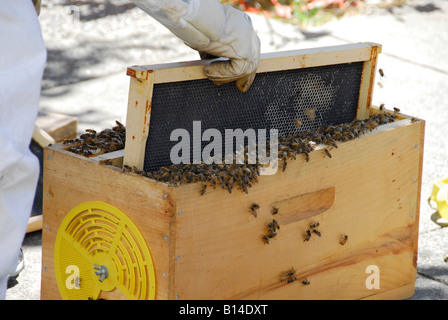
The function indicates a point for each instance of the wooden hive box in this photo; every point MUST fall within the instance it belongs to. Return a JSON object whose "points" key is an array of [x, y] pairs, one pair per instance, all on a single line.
{"points": [[210, 246]]}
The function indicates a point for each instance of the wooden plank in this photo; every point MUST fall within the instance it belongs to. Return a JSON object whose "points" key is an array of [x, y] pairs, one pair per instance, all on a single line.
{"points": [[148, 205], [222, 254], [276, 61], [367, 84], [58, 126], [137, 121], [34, 224]]}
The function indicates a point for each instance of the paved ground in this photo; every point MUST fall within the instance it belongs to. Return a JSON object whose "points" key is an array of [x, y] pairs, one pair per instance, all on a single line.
{"points": [[90, 44]]}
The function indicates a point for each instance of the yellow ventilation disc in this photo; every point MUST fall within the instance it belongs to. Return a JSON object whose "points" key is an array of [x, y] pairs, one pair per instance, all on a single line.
{"points": [[98, 248]]}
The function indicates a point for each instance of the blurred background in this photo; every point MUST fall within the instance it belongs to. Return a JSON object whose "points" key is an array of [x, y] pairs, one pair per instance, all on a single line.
{"points": [[90, 44]]}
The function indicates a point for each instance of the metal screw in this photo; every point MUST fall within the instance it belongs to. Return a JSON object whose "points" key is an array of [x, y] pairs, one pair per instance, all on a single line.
{"points": [[102, 272]]}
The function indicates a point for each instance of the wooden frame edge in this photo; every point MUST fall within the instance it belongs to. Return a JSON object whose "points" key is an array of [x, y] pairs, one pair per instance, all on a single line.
{"points": [[292, 59], [143, 79]]}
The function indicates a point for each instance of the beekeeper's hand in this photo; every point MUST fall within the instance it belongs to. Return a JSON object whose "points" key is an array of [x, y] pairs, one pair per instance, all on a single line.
{"points": [[215, 29]]}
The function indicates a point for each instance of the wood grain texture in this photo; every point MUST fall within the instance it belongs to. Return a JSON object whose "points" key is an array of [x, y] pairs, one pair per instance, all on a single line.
{"points": [[220, 247]]}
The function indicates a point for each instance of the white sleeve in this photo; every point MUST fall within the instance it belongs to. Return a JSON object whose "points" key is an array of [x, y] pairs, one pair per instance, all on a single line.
{"points": [[172, 13], [22, 61]]}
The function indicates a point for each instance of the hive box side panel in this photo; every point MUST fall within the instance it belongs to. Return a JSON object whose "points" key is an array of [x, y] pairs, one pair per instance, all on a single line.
{"points": [[70, 180], [369, 190]]}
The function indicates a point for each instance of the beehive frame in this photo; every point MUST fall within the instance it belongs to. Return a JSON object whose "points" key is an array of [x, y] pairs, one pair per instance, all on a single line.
{"points": [[143, 79]]}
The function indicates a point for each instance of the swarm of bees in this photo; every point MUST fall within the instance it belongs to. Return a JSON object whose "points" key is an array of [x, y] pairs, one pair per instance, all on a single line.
{"points": [[229, 176], [92, 142]]}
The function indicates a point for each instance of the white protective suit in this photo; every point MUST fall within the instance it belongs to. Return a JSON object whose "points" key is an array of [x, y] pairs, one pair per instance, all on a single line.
{"points": [[204, 25], [22, 61]]}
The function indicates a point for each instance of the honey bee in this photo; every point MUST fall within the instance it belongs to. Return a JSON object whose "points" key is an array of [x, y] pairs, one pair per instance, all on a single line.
{"points": [[396, 109], [327, 153], [292, 279], [307, 236], [274, 210], [311, 113], [285, 163], [105, 162], [343, 240], [298, 122], [305, 282], [314, 225], [317, 232], [381, 72], [253, 208], [265, 239], [274, 225], [289, 276], [382, 107], [203, 188]]}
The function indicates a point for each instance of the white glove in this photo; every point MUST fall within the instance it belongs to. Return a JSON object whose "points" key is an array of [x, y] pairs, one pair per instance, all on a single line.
{"points": [[216, 29]]}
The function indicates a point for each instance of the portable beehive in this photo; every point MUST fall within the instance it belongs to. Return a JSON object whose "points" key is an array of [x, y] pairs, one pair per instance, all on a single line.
{"points": [[111, 233]]}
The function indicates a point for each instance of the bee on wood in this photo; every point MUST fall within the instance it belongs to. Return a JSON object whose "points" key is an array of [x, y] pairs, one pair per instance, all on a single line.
{"points": [[107, 162], [274, 210], [253, 208], [414, 119], [265, 239], [285, 163], [396, 109], [272, 233], [305, 282], [382, 107], [307, 157], [127, 168], [343, 240], [203, 188], [327, 153], [307, 236], [317, 232], [274, 224], [289, 276], [381, 72], [314, 225], [292, 279]]}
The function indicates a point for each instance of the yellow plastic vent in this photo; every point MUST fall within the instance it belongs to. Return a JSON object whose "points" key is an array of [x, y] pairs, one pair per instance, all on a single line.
{"points": [[98, 248]]}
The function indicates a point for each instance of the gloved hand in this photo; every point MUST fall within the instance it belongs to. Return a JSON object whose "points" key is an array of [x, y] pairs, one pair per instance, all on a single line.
{"points": [[215, 29]]}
